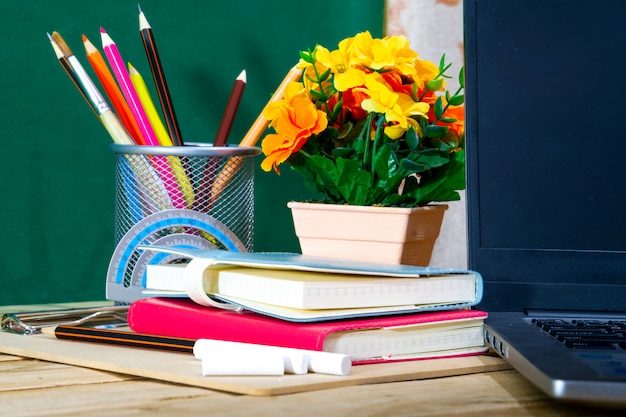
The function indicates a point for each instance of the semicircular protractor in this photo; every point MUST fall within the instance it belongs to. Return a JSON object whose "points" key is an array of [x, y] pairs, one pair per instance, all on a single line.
{"points": [[173, 228]]}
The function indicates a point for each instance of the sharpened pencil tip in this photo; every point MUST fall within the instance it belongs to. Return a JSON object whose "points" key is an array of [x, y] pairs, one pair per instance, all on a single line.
{"points": [[139, 8], [102, 30], [49, 36]]}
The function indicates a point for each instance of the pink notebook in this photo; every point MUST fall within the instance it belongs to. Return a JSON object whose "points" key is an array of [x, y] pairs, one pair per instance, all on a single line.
{"points": [[366, 340]]}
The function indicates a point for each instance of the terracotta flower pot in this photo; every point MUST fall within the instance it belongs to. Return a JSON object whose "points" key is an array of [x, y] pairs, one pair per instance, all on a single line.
{"points": [[365, 233]]}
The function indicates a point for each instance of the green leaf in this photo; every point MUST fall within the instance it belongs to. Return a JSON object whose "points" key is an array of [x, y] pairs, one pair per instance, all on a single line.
{"points": [[413, 166], [307, 57], [462, 77], [324, 76], [352, 182], [456, 100], [321, 97], [342, 152], [412, 140], [434, 85], [435, 131], [381, 162], [439, 109], [336, 110]]}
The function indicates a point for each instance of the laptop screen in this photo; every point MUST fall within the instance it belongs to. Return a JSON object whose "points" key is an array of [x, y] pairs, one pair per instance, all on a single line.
{"points": [[546, 149]]}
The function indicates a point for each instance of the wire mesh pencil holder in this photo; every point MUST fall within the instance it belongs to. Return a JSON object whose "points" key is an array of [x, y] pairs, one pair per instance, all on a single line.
{"points": [[192, 196]]}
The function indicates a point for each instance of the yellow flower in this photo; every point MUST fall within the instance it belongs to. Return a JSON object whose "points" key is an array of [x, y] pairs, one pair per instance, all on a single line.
{"points": [[346, 76], [402, 114], [381, 98]]}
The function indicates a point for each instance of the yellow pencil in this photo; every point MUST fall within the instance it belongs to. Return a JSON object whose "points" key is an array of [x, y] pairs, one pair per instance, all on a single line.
{"points": [[161, 133]]}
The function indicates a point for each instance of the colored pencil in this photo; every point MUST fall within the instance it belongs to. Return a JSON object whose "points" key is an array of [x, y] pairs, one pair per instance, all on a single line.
{"points": [[148, 105], [158, 75], [123, 79], [112, 90], [70, 72], [231, 110], [130, 94], [251, 138], [110, 121], [161, 133], [124, 338], [260, 124]]}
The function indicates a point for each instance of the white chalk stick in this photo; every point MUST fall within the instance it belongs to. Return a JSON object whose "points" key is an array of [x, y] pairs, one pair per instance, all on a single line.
{"points": [[242, 365], [315, 361]]}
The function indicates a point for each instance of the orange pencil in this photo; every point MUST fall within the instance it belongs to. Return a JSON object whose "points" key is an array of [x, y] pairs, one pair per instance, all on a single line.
{"points": [[112, 90]]}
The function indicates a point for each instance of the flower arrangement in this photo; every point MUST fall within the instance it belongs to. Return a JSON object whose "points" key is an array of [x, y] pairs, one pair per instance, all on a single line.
{"points": [[370, 124]]}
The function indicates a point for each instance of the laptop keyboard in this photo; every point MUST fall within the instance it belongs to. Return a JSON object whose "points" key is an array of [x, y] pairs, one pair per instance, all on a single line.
{"points": [[586, 333]]}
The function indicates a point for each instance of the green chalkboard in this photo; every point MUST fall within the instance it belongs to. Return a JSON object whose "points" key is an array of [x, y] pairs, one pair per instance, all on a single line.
{"points": [[57, 172]]}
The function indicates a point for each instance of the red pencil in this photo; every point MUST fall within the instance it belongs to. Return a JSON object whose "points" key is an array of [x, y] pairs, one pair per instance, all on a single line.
{"points": [[231, 109]]}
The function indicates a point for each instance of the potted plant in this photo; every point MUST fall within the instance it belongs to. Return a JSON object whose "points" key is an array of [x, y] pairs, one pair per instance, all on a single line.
{"points": [[372, 128]]}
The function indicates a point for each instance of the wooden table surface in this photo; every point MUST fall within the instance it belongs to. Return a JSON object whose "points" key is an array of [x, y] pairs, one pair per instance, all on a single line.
{"points": [[30, 387]]}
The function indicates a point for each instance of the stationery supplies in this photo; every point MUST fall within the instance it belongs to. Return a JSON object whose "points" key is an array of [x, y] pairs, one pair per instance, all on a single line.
{"points": [[366, 340], [218, 357], [163, 137], [123, 338], [112, 90], [252, 136], [311, 290], [109, 120], [339, 288], [154, 60], [143, 214], [297, 361], [70, 72], [149, 137], [33, 322], [128, 90], [231, 110], [243, 365]]}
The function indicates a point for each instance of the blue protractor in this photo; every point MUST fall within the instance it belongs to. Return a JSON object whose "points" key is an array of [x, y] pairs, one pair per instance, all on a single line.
{"points": [[176, 227]]}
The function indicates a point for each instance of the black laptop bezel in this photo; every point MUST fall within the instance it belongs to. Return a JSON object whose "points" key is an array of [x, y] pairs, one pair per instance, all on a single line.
{"points": [[520, 278]]}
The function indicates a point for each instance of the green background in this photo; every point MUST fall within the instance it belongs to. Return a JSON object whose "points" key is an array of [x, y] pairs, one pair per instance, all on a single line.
{"points": [[57, 172]]}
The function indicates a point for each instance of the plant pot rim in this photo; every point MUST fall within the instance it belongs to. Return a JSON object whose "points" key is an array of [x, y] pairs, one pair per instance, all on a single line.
{"points": [[353, 208]]}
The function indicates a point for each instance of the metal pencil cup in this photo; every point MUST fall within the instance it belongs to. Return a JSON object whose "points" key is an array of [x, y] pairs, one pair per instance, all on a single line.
{"points": [[195, 196]]}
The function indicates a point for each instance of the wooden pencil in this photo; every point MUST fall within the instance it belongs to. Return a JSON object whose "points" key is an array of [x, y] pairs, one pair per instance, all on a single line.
{"points": [[231, 110], [96, 60], [160, 82], [124, 338]]}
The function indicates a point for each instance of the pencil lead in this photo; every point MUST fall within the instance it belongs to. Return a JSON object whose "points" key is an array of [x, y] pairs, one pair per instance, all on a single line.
{"points": [[139, 8]]}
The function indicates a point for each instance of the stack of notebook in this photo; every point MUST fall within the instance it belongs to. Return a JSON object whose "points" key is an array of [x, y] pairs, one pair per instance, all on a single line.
{"points": [[371, 312]]}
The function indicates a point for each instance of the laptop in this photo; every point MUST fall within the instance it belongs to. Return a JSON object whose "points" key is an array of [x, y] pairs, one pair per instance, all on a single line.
{"points": [[546, 191]]}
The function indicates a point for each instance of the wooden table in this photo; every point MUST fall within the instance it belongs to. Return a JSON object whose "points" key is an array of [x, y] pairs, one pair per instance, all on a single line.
{"points": [[31, 387]]}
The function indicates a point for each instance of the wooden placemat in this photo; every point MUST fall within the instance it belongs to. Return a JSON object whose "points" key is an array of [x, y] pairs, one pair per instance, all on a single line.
{"points": [[183, 368]]}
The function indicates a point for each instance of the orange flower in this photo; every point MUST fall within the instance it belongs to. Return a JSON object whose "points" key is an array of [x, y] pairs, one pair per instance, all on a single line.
{"points": [[458, 113], [295, 119]]}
